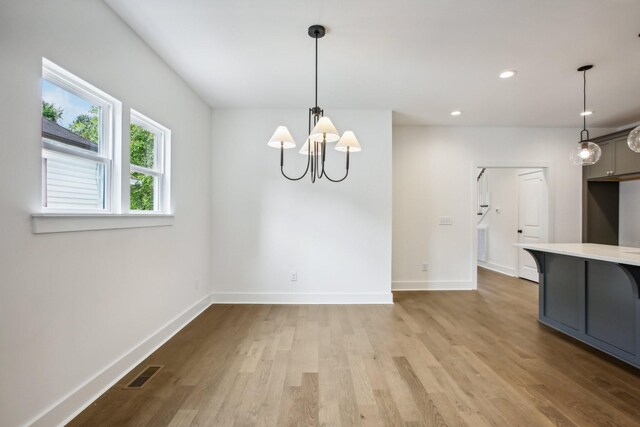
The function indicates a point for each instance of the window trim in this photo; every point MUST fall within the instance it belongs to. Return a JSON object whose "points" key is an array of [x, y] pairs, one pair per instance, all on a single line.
{"points": [[118, 214], [110, 139], [161, 170]]}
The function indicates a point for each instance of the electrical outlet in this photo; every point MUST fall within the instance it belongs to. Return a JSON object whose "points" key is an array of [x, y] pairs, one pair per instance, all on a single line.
{"points": [[294, 276], [425, 266]]}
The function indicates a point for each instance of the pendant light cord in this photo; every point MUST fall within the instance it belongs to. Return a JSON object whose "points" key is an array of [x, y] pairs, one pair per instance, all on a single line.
{"points": [[584, 107]]}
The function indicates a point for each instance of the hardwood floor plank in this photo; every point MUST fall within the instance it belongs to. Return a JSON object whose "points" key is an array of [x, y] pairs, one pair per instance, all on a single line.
{"points": [[433, 358]]}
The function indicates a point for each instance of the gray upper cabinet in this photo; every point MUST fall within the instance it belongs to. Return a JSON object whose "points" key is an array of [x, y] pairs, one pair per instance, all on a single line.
{"points": [[626, 160], [617, 158], [605, 166]]}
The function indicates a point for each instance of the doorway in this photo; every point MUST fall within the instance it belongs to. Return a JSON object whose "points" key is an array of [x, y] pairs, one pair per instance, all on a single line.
{"points": [[512, 206]]}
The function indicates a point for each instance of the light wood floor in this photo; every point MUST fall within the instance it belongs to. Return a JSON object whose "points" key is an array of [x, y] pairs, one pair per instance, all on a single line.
{"points": [[438, 358]]}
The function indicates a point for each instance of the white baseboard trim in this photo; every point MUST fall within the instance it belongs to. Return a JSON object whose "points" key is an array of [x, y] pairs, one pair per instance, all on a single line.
{"points": [[75, 402], [300, 298], [498, 268], [433, 285]]}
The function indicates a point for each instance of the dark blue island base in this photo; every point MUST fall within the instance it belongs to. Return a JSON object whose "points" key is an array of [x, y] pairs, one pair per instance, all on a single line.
{"points": [[596, 302]]}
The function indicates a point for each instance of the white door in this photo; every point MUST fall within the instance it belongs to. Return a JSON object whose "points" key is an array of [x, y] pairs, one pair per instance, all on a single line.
{"points": [[533, 218]]}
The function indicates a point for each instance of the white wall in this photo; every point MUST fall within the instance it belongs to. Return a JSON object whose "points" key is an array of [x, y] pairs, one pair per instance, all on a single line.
{"points": [[502, 220], [629, 231], [433, 176], [74, 303], [336, 236]]}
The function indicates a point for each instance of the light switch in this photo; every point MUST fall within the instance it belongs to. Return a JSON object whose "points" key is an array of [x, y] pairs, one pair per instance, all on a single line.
{"points": [[446, 220]]}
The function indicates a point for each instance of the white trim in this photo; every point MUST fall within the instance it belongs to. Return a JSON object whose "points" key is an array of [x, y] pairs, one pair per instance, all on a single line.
{"points": [[433, 285], [300, 298], [75, 402], [161, 160], [67, 222], [145, 171], [502, 269]]}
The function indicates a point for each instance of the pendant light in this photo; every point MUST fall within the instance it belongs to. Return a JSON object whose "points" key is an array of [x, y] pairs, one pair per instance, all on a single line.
{"points": [[586, 153], [633, 140], [321, 133]]}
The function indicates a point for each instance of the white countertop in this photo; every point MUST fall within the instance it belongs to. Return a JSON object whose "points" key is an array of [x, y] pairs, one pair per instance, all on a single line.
{"points": [[617, 254]]}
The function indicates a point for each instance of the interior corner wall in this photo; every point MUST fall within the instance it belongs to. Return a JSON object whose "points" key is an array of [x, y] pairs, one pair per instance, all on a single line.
{"points": [[501, 220], [433, 170], [75, 305], [335, 236]]}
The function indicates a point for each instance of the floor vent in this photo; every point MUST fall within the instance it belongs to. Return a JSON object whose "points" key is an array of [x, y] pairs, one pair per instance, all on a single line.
{"points": [[144, 377]]}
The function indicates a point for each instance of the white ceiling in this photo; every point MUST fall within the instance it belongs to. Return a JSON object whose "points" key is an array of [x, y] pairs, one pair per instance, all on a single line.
{"points": [[420, 58]]}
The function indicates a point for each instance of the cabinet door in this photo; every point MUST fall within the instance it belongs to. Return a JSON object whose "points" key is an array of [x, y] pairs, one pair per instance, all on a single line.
{"points": [[604, 167], [626, 160]]}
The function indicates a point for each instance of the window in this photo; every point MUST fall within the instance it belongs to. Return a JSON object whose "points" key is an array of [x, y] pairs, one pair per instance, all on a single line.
{"points": [[78, 144], [149, 165], [85, 167]]}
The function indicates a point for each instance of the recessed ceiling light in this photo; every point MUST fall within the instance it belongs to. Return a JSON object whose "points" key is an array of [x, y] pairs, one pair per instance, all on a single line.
{"points": [[586, 113], [456, 113], [506, 74]]}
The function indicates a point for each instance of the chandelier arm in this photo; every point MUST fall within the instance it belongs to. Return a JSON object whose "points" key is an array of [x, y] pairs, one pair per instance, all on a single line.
{"points": [[282, 165], [313, 160], [324, 155], [319, 161], [345, 175]]}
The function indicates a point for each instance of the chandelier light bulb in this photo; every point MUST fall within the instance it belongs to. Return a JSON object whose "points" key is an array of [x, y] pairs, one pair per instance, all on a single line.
{"points": [[633, 140], [585, 154]]}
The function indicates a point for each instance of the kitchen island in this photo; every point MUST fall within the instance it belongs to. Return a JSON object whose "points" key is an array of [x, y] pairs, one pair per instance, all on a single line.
{"points": [[592, 293]]}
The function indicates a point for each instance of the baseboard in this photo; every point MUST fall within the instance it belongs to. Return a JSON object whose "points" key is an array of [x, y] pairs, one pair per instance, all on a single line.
{"points": [[76, 401], [498, 268], [300, 298], [433, 285]]}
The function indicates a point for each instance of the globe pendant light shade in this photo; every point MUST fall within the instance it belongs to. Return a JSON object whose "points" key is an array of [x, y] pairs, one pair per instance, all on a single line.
{"points": [[634, 140], [324, 130], [305, 149], [585, 154], [281, 138], [349, 141]]}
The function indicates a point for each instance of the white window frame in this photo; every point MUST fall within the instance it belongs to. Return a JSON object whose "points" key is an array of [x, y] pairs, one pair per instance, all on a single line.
{"points": [[115, 156], [161, 170], [109, 146]]}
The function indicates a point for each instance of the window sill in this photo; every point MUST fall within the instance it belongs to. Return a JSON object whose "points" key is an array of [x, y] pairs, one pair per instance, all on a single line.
{"points": [[63, 223]]}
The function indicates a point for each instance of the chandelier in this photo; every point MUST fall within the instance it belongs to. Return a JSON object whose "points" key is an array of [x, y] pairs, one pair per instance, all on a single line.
{"points": [[586, 153], [321, 132]]}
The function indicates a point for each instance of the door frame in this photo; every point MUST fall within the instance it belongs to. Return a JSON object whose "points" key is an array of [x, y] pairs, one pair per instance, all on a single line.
{"points": [[516, 164]]}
